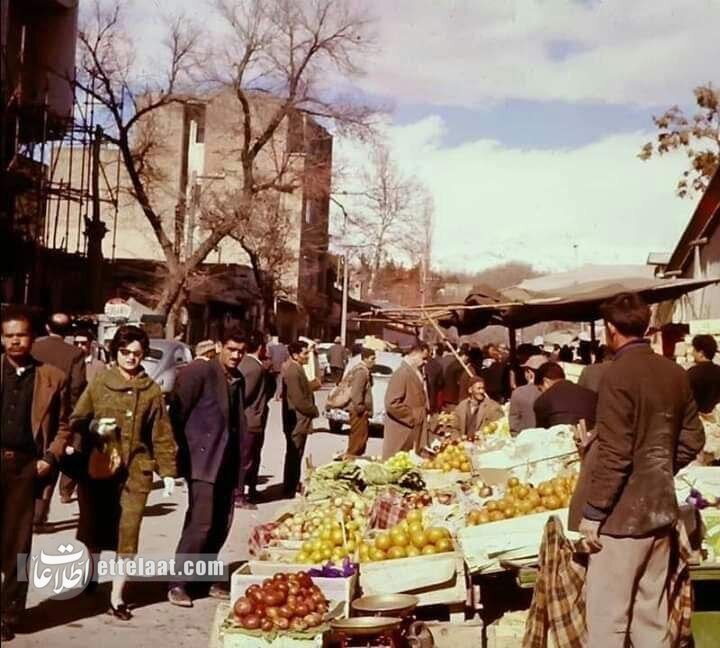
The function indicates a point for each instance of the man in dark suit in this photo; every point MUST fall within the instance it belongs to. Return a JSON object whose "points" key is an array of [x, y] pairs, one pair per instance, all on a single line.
{"points": [[33, 437], [259, 389], [53, 350], [301, 410], [209, 416], [647, 429], [434, 377], [562, 402]]}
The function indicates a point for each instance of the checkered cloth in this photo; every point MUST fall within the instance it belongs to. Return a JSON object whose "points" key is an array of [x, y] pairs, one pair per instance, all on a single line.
{"points": [[558, 606], [389, 509], [260, 538]]}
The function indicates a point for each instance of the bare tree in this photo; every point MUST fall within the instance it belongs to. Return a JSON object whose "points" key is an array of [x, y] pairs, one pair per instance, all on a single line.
{"points": [[384, 221], [699, 136], [275, 47], [286, 56], [424, 234]]}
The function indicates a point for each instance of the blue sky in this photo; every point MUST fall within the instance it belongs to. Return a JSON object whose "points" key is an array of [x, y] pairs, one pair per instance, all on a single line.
{"points": [[532, 124], [524, 118]]}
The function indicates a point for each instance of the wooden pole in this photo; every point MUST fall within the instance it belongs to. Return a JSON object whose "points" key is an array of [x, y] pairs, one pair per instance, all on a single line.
{"points": [[439, 331], [512, 335]]}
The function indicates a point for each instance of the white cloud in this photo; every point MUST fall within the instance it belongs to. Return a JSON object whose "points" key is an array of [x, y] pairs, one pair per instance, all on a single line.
{"points": [[471, 52], [474, 52], [495, 204]]}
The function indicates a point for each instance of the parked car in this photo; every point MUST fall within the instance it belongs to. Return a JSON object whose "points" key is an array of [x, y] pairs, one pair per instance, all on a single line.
{"points": [[164, 360], [385, 365]]}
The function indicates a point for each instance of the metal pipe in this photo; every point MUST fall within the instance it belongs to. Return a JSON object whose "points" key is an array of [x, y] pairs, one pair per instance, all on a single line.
{"points": [[82, 164]]}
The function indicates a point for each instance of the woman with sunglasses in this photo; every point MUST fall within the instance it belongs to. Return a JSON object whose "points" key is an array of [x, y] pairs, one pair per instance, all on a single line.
{"points": [[127, 436]]}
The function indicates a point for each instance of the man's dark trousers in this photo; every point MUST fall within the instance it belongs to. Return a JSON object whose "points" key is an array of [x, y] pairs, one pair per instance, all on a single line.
{"points": [[252, 445], [210, 511], [17, 493]]}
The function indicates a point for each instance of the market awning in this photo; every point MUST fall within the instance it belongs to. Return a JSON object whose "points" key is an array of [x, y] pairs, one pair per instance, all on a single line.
{"points": [[574, 303]]}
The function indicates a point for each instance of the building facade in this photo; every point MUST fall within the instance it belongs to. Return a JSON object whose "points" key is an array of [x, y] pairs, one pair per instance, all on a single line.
{"points": [[195, 174], [697, 256]]}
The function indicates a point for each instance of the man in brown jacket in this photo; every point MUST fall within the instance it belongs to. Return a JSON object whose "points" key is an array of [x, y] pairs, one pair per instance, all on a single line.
{"points": [[361, 403], [477, 410], [53, 350], [647, 429], [406, 404], [33, 436]]}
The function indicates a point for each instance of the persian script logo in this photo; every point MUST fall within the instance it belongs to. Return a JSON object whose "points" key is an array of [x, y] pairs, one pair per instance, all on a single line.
{"points": [[61, 575]]}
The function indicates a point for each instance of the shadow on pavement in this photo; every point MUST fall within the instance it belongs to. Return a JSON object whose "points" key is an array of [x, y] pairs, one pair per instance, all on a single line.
{"points": [[156, 510], [274, 493], [51, 613]]}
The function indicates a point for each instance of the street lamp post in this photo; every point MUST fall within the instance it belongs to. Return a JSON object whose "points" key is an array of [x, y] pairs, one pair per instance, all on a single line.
{"points": [[343, 315]]}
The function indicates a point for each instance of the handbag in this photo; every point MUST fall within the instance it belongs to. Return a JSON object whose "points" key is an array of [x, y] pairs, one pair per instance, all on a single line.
{"points": [[105, 457], [340, 396], [105, 463]]}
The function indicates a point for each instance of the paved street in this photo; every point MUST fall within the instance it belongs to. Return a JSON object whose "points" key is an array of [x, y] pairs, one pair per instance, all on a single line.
{"points": [[82, 621]]}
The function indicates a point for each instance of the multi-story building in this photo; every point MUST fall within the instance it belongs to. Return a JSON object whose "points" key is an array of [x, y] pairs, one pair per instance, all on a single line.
{"points": [[196, 171]]}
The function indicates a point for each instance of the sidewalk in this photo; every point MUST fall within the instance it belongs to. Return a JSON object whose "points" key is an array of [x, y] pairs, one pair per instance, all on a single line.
{"points": [[82, 621]]}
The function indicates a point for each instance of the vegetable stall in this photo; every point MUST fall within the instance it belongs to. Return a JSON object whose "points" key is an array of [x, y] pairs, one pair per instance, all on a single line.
{"points": [[453, 530]]}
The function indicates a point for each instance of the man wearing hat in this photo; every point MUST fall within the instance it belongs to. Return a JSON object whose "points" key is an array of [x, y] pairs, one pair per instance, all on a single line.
{"points": [[522, 401]]}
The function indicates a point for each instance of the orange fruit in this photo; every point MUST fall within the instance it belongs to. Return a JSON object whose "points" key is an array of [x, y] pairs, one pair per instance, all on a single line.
{"points": [[382, 541], [396, 552]]}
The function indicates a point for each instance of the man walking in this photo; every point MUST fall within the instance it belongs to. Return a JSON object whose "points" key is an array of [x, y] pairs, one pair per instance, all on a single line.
{"points": [[83, 340], [301, 410], [406, 404], [277, 355], [53, 350], [259, 389], [647, 429], [361, 403], [337, 359], [33, 436], [209, 416]]}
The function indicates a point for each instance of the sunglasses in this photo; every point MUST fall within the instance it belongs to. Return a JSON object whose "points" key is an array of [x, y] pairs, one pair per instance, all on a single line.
{"points": [[127, 352]]}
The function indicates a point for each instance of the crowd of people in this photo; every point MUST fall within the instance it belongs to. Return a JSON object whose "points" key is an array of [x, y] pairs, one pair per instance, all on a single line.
{"points": [[107, 429]]}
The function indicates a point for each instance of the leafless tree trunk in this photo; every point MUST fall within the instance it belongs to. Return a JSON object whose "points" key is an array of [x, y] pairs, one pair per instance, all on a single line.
{"points": [[273, 45]]}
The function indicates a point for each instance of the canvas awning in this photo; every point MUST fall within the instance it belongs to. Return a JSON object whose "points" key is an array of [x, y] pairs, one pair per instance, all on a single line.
{"points": [[519, 307]]}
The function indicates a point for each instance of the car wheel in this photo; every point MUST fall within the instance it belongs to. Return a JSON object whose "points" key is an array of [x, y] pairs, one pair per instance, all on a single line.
{"points": [[336, 427]]}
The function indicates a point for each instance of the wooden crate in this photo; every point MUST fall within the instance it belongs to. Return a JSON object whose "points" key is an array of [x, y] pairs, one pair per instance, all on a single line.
{"points": [[237, 640], [442, 586], [453, 635], [336, 590]]}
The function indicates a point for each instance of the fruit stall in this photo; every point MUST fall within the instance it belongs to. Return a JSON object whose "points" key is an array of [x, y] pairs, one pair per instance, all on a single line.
{"points": [[417, 550]]}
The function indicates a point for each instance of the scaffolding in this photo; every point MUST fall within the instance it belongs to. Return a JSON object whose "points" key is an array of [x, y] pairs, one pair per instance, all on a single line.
{"points": [[53, 169]]}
